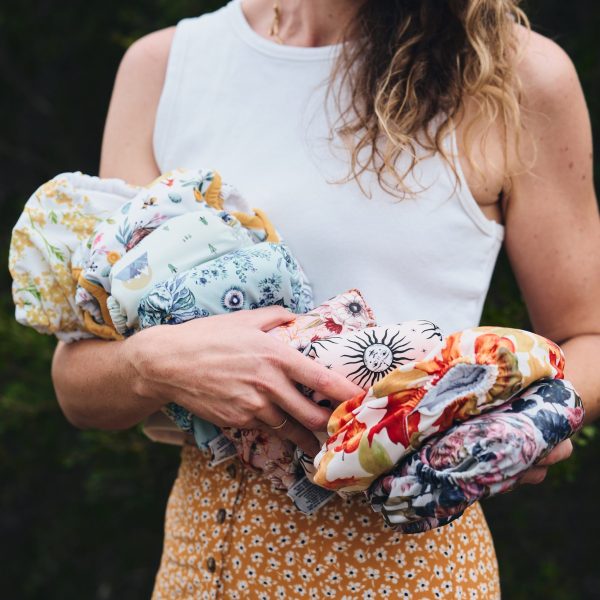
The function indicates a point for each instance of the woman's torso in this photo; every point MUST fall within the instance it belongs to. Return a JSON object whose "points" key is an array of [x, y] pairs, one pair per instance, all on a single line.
{"points": [[254, 110]]}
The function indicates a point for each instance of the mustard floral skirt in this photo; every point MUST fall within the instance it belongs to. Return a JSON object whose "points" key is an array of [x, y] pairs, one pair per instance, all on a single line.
{"points": [[229, 535]]}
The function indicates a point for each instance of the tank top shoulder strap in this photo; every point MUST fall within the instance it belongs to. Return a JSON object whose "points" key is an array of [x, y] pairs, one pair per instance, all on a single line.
{"points": [[168, 98], [194, 37]]}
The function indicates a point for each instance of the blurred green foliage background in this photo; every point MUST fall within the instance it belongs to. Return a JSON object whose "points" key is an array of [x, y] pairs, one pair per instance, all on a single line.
{"points": [[80, 511]]}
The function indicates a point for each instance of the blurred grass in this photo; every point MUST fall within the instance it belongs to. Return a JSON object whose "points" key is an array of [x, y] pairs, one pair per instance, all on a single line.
{"points": [[81, 512]]}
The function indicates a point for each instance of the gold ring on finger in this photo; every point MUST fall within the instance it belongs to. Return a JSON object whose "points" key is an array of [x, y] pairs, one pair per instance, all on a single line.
{"points": [[282, 424]]}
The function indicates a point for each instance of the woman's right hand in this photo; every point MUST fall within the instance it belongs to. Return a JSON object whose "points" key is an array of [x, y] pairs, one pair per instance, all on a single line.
{"points": [[225, 369]]}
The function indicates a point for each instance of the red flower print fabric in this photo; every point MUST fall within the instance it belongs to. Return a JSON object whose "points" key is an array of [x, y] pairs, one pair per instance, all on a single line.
{"points": [[471, 372]]}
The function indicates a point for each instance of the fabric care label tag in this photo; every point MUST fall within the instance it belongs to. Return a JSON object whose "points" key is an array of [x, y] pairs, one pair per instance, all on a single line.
{"points": [[309, 497], [221, 449]]}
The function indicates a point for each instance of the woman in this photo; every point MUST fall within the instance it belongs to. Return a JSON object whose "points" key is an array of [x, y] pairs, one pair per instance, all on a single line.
{"points": [[414, 220]]}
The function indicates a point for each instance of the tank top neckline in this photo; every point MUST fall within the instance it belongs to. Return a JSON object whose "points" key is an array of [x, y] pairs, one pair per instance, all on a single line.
{"points": [[429, 255], [245, 32]]}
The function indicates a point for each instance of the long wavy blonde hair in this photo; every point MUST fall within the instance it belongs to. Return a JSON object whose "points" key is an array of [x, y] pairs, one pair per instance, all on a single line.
{"points": [[410, 62]]}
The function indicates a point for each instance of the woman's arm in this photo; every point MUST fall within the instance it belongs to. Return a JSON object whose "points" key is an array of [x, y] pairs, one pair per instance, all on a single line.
{"points": [[101, 396], [552, 221], [224, 368], [127, 147]]}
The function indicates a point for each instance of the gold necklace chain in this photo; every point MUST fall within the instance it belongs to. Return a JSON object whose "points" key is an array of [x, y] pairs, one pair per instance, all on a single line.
{"points": [[274, 30]]}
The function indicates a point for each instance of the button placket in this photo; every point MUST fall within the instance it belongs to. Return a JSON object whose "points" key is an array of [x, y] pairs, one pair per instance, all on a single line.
{"points": [[237, 487], [218, 548]]}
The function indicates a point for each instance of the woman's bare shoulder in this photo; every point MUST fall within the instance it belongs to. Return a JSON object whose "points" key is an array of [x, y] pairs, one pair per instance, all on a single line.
{"points": [[545, 70], [127, 150], [150, 49], [144, 66], [551, 97]]}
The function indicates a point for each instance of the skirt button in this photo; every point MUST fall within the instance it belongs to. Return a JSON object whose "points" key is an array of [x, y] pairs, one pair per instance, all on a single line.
{"points": [[211, 564], [221, 514]]}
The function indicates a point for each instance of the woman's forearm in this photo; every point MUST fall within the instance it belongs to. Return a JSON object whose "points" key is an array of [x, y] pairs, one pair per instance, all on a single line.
{"points": [[582, 355], [97, 385], [222, 368]]}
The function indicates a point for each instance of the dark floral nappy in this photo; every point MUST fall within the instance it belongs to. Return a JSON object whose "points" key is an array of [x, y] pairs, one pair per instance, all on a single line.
{"points": [[482, 457]]}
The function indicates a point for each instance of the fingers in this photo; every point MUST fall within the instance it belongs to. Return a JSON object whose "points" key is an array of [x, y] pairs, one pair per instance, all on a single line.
{"points": [[535, 475], [561, 452], [272, 417], [299, 407], [304, 416], [306, 371], [538, 473], [300, 436]]}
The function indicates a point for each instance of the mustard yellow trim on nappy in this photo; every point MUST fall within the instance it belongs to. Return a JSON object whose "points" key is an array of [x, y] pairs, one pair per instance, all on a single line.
{"points": [[213, 193], [90, 325], [107, 330], [102, 331], [258, 220]]}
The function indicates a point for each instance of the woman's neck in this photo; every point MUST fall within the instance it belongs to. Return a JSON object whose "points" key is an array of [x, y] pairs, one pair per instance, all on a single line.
{"points": [[307, 23]]}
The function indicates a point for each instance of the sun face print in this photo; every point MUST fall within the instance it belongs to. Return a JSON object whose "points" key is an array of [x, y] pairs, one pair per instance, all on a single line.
{"points": [[365, 356], [375, 356]]}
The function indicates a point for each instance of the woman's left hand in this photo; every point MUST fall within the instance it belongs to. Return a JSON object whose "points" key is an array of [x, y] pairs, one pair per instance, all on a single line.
{"points": [[537, 474]]}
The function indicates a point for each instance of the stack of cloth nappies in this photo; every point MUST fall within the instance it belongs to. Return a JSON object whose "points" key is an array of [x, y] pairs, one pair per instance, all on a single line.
{"points": [[441, 422], [435, 435]]}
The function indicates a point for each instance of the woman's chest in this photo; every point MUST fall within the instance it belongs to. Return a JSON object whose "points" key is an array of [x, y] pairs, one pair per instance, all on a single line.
{"points": [[268, 133]]}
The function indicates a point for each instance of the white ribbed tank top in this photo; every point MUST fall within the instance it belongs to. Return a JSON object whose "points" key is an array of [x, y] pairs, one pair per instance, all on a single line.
{"points": [[254, 110]]}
